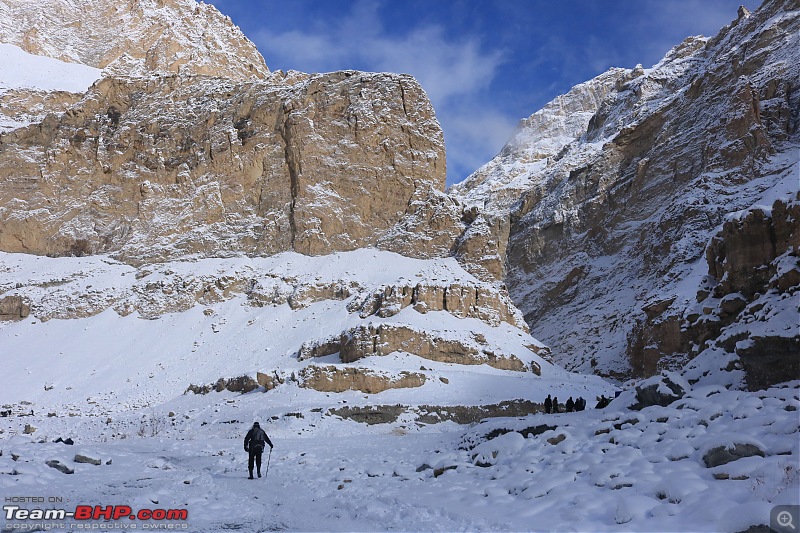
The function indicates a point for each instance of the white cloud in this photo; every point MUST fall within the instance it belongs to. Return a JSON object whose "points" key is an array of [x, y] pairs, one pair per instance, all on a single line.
{"points": [[455, 73], [474, 133]]}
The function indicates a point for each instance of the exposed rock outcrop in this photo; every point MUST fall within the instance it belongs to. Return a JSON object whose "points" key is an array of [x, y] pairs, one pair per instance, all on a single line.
{"points": [[741, 254], [483, 302], [14, 308], [432, 414], [722, 455], [743, 305], [238, 384], [379, 339], [660, 390], [27, 106], [162, 168], [339, 379]]}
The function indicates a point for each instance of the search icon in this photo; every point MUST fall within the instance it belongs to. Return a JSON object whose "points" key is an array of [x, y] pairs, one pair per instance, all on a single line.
{"points": [[785, 520]]}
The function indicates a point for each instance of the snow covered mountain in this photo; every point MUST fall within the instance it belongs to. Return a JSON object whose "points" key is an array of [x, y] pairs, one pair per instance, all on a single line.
{"points": [[189, 243], [612, 193], [133, 37]]}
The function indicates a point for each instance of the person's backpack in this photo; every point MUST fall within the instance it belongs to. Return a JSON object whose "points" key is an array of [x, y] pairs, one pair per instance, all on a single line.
{"points": [[258, 442]]}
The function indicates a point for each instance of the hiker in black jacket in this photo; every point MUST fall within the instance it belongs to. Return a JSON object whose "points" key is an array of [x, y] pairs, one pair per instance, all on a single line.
{"points": [[254, 442], [570, 405]]}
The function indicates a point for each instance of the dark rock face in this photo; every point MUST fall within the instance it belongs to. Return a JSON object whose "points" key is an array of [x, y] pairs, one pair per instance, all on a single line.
{"points": [[740, 254], [724, 454], [753, 265], [658, 391], [770, 360]]}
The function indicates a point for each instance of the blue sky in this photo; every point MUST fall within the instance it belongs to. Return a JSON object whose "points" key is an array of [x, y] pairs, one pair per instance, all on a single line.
{"points": [[485, 64]]}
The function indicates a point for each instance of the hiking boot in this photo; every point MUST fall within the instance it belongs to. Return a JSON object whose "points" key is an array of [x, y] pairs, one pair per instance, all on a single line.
{"points": [[259, 474]]}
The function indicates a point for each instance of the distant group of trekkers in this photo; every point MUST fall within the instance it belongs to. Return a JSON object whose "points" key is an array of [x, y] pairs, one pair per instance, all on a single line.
{"points": [[551, 405]]}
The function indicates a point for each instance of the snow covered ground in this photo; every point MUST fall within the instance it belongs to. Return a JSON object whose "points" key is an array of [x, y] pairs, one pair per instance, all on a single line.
{"points": [[164, 337], [598, 470], [116, 385], [21, 70]]}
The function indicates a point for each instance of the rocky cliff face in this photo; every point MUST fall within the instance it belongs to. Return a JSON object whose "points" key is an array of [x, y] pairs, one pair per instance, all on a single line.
{"points": [[608, 226], [188, 148], [153, 169], [133, 37]]}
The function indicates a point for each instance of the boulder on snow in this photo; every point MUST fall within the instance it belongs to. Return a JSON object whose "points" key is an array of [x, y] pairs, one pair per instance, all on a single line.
{"points": [[442, 469], [660, 390], [720, 455], [241, 384], [14, 308], [84, 459], [58, 465], [731, 304]]}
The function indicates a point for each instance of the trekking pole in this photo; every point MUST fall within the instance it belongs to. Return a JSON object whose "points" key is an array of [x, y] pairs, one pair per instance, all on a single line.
{"points": [[268, 458]]}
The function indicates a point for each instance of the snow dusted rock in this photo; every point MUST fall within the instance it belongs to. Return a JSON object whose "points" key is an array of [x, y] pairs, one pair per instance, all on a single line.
{"points": [[743, 305], [464, 301], [133, 37], [382, 339], [752, 270], [339, 379], [304, 295], [61, 467], [612, 210], [432, 224], [14, 308], [79, 458], [370, 339], [536, 145], [152, 169], [748, 242], [238, 384], [33, 86], [482, 246], [660, 390], [268, 381], [720, 455]]}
